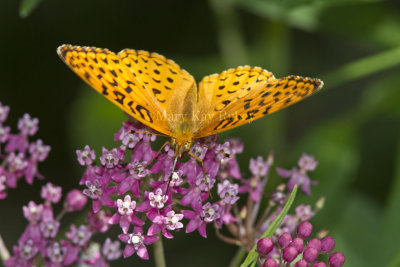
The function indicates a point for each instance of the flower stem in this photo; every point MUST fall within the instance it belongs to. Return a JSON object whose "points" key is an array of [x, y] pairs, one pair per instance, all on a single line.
{"points": [[237, 260], [159, 256], [4, 254]]}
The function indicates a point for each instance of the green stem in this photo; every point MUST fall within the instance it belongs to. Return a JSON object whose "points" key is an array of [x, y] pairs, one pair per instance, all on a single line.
{"points": [[229, 37], [158, 250], [4, 254], [237, 260], [363, 67]]}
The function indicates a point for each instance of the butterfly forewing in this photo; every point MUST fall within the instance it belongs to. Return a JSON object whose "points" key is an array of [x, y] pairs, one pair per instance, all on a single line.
{"points": [[104, 71], [256, 98]]}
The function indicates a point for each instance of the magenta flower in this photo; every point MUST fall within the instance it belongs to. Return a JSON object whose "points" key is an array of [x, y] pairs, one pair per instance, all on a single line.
{"points": [[17, 162], [259, 167], [51, 193], [4, 133], [228, 192], [304, 212], [33, 212], [49, 228], [23, 254], [164, 221], [157, 199], [111, 250], [3, 186], [136, 243], [75, 200], [3, 112], [137, 170], [28, 125], [129, 139], [86, 156], [125, 214], [98, 221], [79, 236], [99, 193], [299, 177], [111, 158], [39, 151], [56, 254], [198, 219]]}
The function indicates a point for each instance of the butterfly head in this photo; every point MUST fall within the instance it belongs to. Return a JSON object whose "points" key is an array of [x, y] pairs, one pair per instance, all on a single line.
{"points": [[180, 146]]}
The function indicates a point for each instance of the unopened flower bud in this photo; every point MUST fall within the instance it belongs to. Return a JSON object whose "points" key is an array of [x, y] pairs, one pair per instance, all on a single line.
{"points": [[289, 253], [304, 229], [284, 240], [301, 263], [319, 264], [298, 244], [336, 259], [265, 245], [270, 262], [310, 254], [314, 243], [327, 244], [75, 200]]}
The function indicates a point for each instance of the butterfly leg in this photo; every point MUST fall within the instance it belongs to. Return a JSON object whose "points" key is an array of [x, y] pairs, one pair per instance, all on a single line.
{"points": [[158, 153], [204, 170], [171, 174]]}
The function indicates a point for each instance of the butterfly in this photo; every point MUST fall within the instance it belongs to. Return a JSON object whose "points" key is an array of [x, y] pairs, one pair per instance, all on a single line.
{"points": [[157, 92]]}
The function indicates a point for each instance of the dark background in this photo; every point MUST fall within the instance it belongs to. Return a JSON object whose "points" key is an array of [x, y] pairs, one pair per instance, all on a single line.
{"points": [[352, 126]]}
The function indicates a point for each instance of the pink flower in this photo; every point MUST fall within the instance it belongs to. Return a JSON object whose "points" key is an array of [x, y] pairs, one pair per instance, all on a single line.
{"points": [[86, 156], [136, 243], [51, 193], [125, 214]]}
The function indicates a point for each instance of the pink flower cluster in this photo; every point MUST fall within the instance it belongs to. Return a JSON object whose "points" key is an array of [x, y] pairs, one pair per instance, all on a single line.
{"points": [[150, 197], [19, 157], [138, 189], [41, 241]]}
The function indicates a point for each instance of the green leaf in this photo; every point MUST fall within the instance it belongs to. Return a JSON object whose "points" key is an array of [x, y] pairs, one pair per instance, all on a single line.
{"points": [[251, 258], [391, 217], [27, 6], [395, 262], [363, 67]]}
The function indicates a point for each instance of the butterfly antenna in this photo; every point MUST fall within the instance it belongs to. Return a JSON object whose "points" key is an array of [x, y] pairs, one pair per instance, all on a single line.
{"points": [[146, 132]]}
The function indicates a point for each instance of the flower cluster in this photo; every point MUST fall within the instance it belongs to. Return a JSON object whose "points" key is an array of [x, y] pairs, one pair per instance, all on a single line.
{"points": [[19, 157], [297, 251], [41, 240], [149, 195]]}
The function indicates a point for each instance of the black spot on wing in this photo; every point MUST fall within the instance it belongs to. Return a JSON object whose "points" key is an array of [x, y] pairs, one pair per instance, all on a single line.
{"points": [[119, 97], [223, 124], [144, 113]]}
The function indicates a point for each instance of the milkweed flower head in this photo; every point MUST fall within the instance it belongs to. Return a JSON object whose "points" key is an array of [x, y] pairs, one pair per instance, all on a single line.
{"points": [[136, 189], [19, 157]]}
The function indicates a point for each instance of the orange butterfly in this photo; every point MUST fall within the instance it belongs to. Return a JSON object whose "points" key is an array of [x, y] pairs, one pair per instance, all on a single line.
{"points": [[158, 93]]}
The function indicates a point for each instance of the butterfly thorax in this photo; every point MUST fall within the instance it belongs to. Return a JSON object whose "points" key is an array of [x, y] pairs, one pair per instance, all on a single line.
{"points": [[180, 146]]}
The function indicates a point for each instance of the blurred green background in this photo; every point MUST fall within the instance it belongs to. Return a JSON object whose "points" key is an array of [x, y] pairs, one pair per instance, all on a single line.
{"points": [[352, 126]]}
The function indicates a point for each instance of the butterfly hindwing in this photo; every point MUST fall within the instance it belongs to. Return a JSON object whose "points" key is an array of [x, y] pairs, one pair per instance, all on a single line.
{"points": [[104, 71], [254, 99]]}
